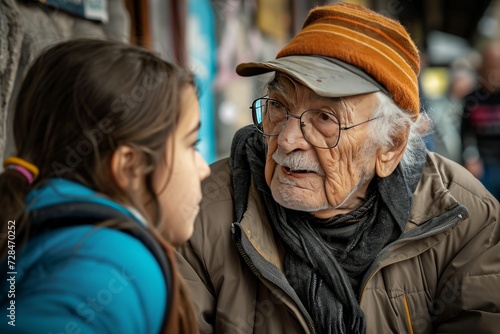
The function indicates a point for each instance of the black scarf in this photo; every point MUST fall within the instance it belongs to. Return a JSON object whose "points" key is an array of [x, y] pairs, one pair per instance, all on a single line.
{"points": [[321, 267]]}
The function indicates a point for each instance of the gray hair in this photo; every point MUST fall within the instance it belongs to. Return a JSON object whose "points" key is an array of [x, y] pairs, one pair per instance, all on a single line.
{"points": [[390, 121]]}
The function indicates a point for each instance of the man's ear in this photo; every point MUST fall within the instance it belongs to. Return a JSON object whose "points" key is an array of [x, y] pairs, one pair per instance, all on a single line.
{"points": [[126, 166], [388, 157]]}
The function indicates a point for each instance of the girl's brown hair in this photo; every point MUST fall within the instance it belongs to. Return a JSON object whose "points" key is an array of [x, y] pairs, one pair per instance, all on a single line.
{"points": [[79, 102]]}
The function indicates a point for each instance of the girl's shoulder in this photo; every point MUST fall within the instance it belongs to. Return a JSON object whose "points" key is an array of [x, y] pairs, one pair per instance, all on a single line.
{"points": [[93, 277]]}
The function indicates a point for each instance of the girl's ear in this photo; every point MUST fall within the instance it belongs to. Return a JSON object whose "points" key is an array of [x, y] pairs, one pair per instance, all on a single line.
{"points": [[126, 168], [388, 158]]}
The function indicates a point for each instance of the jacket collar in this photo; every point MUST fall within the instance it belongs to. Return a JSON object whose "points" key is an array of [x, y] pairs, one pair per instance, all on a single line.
{"points": [[55, 192]]}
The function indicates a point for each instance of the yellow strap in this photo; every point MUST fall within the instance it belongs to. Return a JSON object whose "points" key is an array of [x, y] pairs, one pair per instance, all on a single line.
{"points": [[23, 163]]}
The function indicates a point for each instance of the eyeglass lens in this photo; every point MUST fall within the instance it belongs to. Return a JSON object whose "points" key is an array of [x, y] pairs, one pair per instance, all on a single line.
{"points": [[320, 128]]}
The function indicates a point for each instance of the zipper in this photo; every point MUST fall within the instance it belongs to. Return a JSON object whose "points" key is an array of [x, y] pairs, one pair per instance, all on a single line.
{"points": [[244, 254], [237, 239], [459, 215], [408, 316]]}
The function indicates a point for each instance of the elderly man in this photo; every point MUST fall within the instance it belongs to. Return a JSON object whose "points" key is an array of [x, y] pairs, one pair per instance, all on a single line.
{"points": [[330, 216]]}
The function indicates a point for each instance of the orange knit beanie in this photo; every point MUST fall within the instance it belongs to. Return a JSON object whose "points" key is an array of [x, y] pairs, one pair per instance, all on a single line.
{"points": [[378, 45]]}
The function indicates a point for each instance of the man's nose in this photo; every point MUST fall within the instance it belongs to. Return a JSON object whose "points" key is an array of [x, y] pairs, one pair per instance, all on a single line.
{"points": [[291, 137]]}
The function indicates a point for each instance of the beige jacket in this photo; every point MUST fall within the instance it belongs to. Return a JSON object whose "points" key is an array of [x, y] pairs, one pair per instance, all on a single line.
{"points": [[442, 276]]}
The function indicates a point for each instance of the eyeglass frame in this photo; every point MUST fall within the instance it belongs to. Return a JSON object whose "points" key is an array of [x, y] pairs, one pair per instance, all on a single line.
{"points": [[302, 124]]}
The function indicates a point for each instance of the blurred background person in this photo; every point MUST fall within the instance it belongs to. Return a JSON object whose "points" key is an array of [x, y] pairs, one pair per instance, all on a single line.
{"points": [[480, 128], [447, 106]]}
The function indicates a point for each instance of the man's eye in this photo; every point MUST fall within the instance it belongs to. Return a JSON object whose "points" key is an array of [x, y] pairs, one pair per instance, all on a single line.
{"points": [[275, 105], [327, 117]]}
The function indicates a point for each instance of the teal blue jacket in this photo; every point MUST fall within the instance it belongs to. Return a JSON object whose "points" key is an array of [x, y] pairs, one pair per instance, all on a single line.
{"points": [[81, 279]]}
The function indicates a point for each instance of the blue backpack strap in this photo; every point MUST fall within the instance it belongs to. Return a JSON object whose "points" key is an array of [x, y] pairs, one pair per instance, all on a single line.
{"points": [[75, 214]]}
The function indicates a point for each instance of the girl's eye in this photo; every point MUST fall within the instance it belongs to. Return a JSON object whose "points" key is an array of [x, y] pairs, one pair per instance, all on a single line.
{"points": [[195, 144]]}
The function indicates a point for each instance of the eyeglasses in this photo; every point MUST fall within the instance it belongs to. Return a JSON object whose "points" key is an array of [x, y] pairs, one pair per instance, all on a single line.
{"points": [[320, 128]]}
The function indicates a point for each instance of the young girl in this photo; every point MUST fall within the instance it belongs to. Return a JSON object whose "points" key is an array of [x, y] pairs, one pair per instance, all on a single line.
{"points": [[106, 171]]}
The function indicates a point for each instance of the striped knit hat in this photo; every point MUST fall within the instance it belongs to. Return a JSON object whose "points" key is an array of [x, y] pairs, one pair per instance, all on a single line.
{"points": [[346, 49]]}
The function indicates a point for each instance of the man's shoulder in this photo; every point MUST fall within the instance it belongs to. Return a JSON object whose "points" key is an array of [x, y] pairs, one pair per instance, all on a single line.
{"points": [[219, 185], [444, 184], [217, 207], [453, 177]]}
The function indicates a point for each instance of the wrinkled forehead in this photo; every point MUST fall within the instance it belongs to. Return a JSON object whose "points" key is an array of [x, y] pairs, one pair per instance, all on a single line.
{"points": [[293, 93]]}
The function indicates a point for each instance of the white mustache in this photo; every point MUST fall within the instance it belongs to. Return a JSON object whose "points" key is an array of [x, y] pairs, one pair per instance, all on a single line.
{"points": [[297, 161]]}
